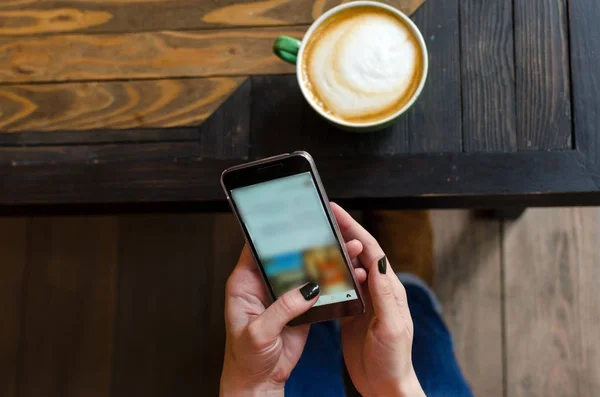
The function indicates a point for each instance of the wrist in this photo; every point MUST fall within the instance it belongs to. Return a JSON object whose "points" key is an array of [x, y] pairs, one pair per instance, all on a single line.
{"points": [[410, 387], [233, 389], [244, 391], [237, 386]]}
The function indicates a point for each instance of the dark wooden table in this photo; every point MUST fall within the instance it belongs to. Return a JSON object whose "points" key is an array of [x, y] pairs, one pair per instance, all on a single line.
{"points": [[509, 115]]}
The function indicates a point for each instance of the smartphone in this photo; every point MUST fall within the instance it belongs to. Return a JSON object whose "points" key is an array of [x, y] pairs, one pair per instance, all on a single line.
{"points": [[284, 212]]}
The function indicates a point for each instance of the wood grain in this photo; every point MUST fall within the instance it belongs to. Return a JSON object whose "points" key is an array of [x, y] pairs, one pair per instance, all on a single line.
{"points": [[432, 127], [102, 136], [13, 246], [587, 222], [585, 70], [112, 105], [173, 173], [69, 307], [488, 78], [227, 242], [164, 299], [226, 134], [277, 110], [543, 94], [468, 282], [98, 154], [282, 121], [552, 303], [143, 55], [25, 17]]}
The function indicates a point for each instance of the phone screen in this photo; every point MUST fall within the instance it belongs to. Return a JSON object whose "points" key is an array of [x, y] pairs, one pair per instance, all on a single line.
{"points": [[293, 238]]}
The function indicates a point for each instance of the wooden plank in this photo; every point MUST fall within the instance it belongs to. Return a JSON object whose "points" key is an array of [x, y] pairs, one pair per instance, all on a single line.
{"points": [[356, 203], [551, 299], [69, 305], [13, 246], [95, 154], [455, 179], [227, 242], [277, 110], [587, 222], [112, 105], [282, 121], [143, 55], [137, 135], [431, 127], [164, 300], [226, 134], [111, 136], [585, 76], [468, 283], [543, 94], [323, 140], [47, 16], [487, 63]]}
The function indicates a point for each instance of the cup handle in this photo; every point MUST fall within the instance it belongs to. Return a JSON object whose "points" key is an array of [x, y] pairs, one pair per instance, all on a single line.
{"points": [[286, 48]]}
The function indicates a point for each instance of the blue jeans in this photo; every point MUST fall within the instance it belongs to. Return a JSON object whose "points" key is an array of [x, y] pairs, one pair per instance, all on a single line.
{"points": [[320, 369]]}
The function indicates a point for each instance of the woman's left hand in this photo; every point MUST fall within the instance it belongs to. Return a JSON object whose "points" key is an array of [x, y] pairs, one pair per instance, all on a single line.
{"points": [[260, 350]]}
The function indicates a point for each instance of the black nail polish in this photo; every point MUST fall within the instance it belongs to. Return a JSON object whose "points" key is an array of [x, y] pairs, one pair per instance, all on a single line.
{"points": [[382, 265], [309, 291]]}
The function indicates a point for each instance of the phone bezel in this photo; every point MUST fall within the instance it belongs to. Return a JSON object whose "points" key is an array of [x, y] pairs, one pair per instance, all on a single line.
{"points": [[280, 167]]}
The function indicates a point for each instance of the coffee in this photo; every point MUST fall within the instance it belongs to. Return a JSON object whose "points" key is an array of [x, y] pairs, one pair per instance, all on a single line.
{"points": [[362, 65]]}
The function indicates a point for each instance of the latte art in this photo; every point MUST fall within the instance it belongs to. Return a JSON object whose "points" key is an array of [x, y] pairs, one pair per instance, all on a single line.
{"points": [[363, 65]]}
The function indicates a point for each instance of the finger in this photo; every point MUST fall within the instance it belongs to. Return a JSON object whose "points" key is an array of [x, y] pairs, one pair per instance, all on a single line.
{"points": [[361, 275], [353, 230], [354, 248], [287, 307], [246, 280], [382, 291], [246, 260]]}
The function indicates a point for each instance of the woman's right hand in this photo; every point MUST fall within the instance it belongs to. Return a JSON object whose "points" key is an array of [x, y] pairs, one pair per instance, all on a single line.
{"points": [[377, 344]]}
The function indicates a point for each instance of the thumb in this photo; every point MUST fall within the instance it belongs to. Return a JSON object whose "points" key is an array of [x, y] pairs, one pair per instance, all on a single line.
{"points": [[286, 308], [382, 292]]}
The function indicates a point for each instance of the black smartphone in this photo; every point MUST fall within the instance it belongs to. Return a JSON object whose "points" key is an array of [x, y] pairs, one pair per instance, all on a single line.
{"points": [[288, 224]]}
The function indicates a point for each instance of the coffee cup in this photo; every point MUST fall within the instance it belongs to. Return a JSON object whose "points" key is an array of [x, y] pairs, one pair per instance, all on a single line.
{"points": [[360, 65]]}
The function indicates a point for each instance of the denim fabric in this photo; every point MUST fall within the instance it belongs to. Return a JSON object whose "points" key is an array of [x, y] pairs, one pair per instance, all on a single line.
{"points": [[320, 369]]}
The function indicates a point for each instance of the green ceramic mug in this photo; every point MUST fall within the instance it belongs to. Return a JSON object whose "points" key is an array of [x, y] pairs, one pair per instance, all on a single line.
{"points": [[291, 50]]}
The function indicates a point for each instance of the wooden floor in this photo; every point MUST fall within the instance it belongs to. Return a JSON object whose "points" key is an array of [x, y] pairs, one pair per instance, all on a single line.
{"points": [[132, 305]]}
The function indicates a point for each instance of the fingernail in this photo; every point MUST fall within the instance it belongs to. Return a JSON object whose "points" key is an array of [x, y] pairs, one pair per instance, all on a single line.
{"points": [[382, 265], [309, 291]]}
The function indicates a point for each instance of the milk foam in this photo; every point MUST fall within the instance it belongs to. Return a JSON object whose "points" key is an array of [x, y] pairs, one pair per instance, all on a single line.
{"points": [[363, 65]]}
